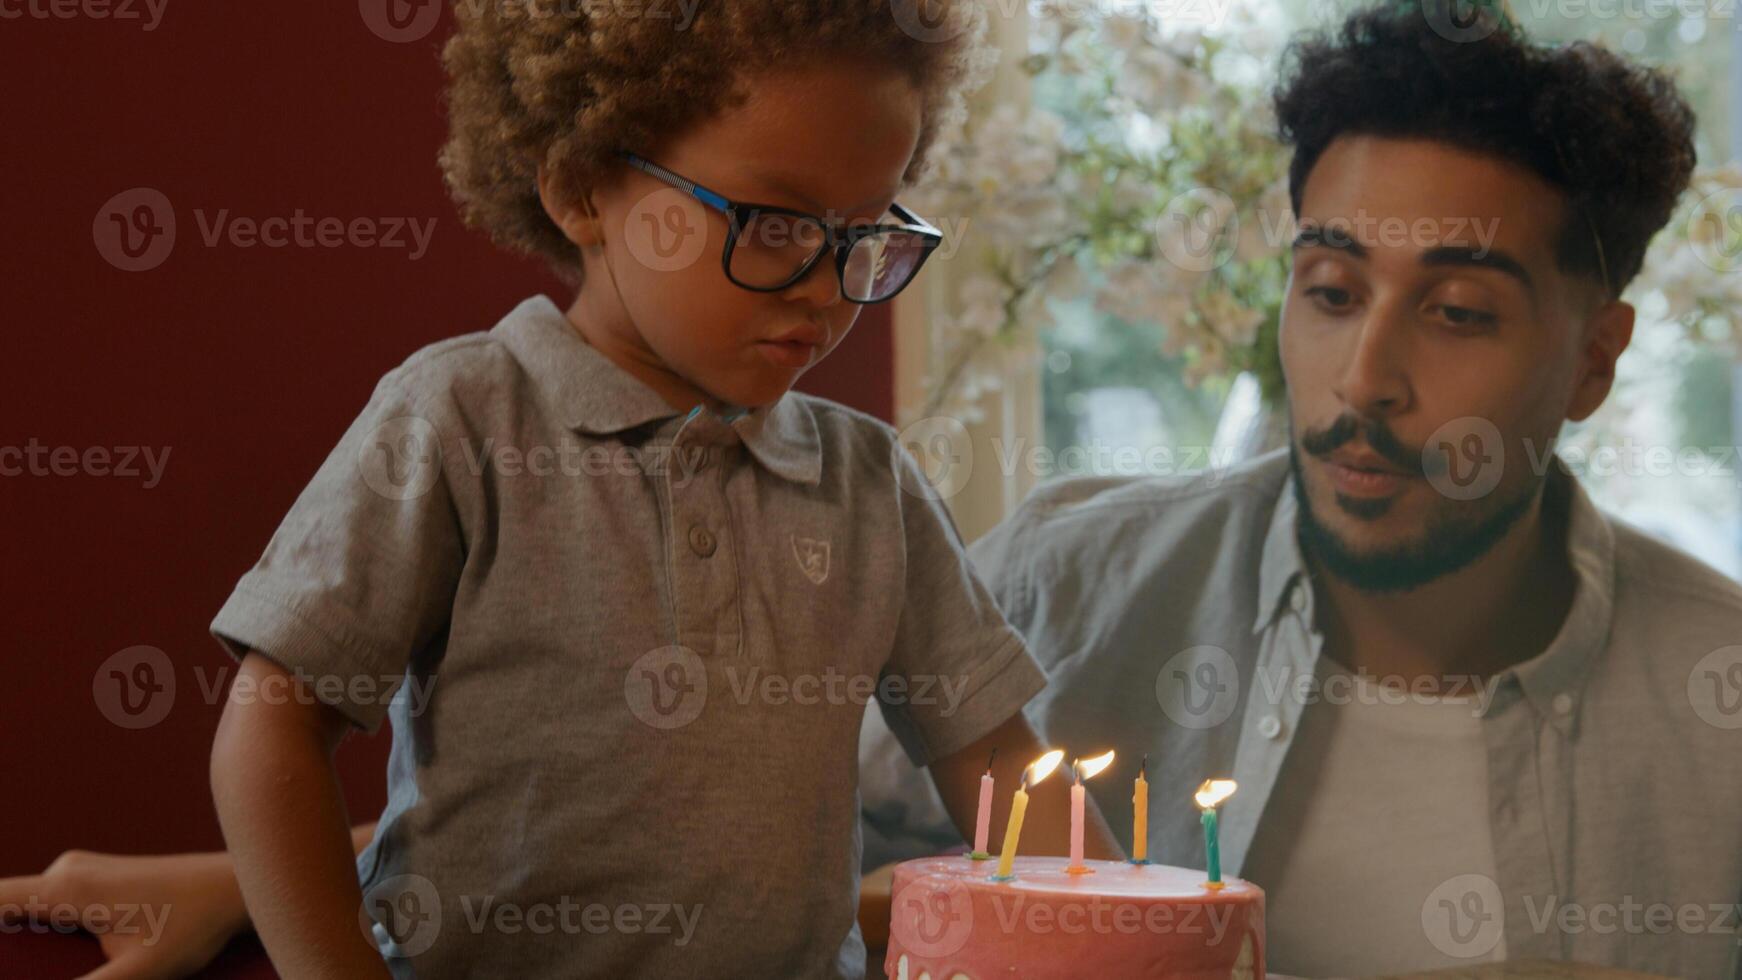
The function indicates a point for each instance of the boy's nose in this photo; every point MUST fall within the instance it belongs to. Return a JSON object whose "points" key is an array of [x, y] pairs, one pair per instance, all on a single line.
{"points": [[821, 287]]}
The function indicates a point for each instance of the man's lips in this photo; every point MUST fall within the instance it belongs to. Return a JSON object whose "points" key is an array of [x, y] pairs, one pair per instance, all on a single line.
{"points": [[1364, 475]]}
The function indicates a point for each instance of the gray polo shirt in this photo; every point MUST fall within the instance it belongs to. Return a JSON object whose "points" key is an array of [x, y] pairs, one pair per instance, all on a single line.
{"points": [[1175, 616], [626, 652]]}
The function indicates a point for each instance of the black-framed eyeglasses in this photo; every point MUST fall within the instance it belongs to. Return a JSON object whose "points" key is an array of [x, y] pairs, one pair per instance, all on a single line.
{"points": [[768, 248]]}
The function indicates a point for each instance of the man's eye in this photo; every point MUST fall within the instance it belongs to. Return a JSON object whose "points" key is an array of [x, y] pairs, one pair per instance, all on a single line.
{"points": [[1330, 295], [1463, 316]]}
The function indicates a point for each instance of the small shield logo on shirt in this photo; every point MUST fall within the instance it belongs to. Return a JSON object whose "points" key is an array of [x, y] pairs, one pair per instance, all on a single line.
{"points": [[813, 558]]}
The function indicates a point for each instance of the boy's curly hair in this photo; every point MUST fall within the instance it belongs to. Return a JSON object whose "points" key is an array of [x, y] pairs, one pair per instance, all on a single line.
{"points": [[569, 83], [1615, 137]]}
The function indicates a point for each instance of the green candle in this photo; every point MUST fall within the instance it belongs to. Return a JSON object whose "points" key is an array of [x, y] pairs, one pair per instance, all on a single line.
{"points": [[1212, 848], [1210, 795]]}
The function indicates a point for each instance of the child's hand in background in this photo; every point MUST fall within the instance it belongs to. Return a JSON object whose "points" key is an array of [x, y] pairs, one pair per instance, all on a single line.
{"points": [[157, 917]]}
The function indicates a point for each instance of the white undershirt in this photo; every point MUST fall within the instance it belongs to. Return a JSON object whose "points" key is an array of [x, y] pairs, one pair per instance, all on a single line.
{"points": [[1380, 807]]}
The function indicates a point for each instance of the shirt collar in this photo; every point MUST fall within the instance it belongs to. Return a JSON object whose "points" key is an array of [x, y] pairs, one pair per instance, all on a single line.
{"points": [[593, 395], [1553, 680], [1281, 563]]}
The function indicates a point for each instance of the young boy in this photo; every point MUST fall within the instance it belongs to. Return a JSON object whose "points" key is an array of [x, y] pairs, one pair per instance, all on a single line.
{"points": [[629, 593]]}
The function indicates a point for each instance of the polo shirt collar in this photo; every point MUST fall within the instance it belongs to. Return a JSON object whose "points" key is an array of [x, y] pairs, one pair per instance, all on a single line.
{"points": [[783, 437], [1552, 680], [593, 395]]}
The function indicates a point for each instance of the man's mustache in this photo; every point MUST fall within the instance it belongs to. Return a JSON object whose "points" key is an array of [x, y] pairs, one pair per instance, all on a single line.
{"points": [[1374, 432]]}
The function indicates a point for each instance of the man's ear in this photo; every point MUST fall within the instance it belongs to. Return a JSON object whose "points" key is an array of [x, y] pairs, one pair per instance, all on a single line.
{"points": [[1607, 335], [578, 219]]}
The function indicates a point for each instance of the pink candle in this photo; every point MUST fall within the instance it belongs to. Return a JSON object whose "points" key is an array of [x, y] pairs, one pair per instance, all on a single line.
{"points": [[983, 822], [1082, 769], [1076, 825], [983, 819]]}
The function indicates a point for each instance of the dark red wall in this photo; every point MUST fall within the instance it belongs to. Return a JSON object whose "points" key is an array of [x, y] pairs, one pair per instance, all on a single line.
{"points": [[245, 364]]}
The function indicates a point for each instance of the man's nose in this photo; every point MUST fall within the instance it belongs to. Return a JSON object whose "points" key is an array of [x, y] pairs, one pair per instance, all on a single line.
{"points": [[1375, 376]]}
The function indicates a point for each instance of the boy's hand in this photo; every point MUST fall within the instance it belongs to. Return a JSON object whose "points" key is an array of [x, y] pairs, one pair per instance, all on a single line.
{"points": [[157, 917], [1046, 827]]}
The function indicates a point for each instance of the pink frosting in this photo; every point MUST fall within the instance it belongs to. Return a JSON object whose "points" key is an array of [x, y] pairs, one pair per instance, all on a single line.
{"points": [[950, 920]]}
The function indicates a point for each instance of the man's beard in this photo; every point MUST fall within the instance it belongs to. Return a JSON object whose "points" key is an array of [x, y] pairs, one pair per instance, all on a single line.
{"points": [[1450, 541]]}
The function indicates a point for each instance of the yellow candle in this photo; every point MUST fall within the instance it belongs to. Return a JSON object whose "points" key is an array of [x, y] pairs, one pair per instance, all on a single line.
{"points": [[1018, 806], [1037, 770], [1140, 816]]}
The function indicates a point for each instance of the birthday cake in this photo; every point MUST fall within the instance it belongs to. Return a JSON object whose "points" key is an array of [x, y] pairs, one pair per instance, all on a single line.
{"points": [[950, 920]]}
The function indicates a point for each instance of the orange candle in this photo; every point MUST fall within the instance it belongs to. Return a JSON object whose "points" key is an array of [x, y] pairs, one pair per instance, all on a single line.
{"points": [[1140, 816]]}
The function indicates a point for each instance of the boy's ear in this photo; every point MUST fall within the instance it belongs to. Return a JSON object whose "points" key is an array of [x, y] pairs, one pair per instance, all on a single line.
{"points": [[578, 219]]}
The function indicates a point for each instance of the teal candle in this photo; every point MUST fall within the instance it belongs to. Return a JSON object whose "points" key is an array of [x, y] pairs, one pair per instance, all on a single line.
{"points": [[1209, 796], [1212, 847]]}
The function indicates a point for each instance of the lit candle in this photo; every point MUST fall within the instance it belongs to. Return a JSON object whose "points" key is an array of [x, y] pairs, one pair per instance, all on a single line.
{"points": [[1209, 796], [983, 820], [1037, 770], [1082, 769], [1140, 815]]}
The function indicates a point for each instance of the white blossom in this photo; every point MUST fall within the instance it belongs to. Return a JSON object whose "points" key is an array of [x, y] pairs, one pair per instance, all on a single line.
{"points": [[1236, 324], [1124, 32]]}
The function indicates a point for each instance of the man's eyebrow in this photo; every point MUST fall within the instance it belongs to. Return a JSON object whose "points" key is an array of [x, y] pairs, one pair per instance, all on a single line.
{"points": [[1482, 258], [1317, 236], [1441, 256]]}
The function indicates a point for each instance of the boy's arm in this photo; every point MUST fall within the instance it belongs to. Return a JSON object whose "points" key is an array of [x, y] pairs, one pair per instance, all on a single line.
{"points": [[1046, 827], [283, 816]]}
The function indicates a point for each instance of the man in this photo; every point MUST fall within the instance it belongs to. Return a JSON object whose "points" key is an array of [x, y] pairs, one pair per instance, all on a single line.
{"points": [[1470, 717]]}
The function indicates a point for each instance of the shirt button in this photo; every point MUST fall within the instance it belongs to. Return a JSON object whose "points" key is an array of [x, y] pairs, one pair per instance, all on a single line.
{"points": [[702, 540], [1270, 726], [1563, 704]]}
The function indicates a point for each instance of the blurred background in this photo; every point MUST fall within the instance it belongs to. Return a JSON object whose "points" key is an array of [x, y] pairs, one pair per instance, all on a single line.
{"points": [[1115, 301]]}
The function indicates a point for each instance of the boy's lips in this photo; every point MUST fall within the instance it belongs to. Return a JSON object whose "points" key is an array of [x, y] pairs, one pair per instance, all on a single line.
{"points": [[794, 348], [787, 353]]}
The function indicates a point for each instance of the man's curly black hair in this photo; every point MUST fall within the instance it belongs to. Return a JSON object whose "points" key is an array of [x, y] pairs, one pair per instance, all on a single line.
{"points": [[1615, 137]]}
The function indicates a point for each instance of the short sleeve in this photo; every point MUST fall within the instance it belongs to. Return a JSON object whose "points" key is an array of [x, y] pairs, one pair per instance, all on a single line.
{"points": [[964, 669], [998, 560], [361, 573]]}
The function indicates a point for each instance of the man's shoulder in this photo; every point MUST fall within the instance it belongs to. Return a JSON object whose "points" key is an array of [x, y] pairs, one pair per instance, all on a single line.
{"points": [[1169, 525], [1669, 587], [1243, 494]]}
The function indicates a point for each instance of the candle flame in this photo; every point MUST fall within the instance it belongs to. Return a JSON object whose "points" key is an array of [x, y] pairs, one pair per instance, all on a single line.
{"points": [[1213, 792], [1042, 767], [1089, 767]]}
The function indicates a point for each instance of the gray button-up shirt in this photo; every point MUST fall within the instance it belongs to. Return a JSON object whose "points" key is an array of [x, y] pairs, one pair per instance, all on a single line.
{"points": [[626, 652], [1174, 617]]}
